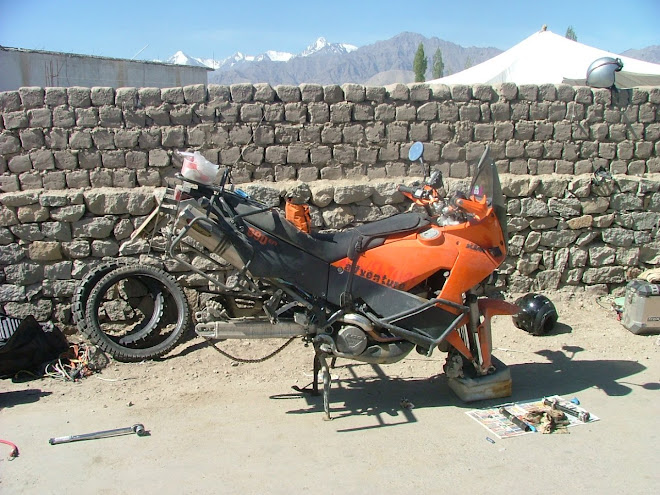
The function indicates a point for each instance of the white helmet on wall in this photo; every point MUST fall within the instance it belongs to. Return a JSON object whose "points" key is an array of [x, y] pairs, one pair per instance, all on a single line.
{"points": [[600, 73]]}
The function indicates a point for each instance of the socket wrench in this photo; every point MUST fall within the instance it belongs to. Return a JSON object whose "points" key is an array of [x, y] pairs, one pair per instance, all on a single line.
{"points": [[554, 404], [138, 429]]}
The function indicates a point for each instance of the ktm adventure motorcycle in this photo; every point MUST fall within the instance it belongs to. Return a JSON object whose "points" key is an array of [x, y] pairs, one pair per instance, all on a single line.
{"points": [[372, 293]]}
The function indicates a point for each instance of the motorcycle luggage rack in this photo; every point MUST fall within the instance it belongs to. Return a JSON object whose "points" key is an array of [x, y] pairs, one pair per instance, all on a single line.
{"points": [[177, 241], [417, 336], [218, 191]]}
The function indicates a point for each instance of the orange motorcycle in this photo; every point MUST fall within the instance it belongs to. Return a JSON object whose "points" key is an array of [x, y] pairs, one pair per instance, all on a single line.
{"points": [[372, 293]]}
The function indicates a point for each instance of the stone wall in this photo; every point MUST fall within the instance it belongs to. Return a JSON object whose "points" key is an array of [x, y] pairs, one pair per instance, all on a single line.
{"points": [[79, 167]]}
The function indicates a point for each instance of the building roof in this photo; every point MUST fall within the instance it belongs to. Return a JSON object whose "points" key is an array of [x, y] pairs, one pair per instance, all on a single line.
{"points": [[546, 57], [65, 54]]}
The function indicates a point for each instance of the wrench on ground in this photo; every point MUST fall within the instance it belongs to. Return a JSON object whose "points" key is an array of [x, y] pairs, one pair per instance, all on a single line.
{"points": [[138, 429], [554, 404]]}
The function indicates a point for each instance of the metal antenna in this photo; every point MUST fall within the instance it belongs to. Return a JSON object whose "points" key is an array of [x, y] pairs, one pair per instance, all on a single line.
{"points": [[140, 51], [421, 161]]}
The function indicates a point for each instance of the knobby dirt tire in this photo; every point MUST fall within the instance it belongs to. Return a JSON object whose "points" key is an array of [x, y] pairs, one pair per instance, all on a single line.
{"points": [[162, 332], [85, 287]]}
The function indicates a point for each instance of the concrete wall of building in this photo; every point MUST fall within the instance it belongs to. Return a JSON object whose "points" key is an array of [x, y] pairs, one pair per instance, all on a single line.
{"points": [[79, 168], [21, 68]]}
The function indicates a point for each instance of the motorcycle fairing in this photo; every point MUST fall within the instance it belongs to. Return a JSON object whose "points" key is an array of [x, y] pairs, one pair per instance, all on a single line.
{"points": [[278, 250], [404, 262]]}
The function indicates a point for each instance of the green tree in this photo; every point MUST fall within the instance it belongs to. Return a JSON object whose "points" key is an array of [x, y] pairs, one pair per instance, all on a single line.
{"points": [[420, 64], [570, 33], [438, 69]]}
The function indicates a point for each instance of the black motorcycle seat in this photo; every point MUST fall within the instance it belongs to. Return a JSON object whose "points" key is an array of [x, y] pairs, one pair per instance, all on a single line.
{"points": [[332, 247], [329, 247], [403, 222]]}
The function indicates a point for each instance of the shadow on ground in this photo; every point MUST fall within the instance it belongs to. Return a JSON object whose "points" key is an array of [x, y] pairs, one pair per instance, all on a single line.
{"points": [[370, 392], [17, 397]]}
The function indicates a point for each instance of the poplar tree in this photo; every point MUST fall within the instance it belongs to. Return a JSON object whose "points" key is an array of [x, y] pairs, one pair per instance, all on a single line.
{"points": [[438, 69], [570, 33], [420, 64]]}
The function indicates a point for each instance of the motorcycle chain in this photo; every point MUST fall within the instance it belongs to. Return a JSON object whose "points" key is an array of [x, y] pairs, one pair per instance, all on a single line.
{"points": [[250, 361]]}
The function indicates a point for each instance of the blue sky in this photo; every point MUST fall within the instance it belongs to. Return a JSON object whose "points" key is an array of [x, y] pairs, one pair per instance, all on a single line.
{"points": [[217, 29]]}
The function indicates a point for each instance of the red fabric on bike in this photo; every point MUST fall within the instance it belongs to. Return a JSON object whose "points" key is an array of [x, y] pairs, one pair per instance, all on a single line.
{"points": [[299, 216]]}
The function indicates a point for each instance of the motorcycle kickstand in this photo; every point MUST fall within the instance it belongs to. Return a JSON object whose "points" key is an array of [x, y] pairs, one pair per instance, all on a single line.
{"points": [[321, 358], [315, 374], [320, 361], [315, 384]]}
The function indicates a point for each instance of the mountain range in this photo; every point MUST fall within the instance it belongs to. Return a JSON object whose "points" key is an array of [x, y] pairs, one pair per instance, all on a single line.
{"points": [[648, 54], [380, 63], [320, 47]]}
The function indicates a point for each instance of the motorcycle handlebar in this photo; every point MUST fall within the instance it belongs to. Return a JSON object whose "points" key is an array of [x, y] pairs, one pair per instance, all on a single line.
{"points": [[453, 201]]}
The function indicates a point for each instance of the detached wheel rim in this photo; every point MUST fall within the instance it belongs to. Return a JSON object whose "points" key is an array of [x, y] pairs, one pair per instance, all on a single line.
{"points": [[143, 329], [136, 312]]}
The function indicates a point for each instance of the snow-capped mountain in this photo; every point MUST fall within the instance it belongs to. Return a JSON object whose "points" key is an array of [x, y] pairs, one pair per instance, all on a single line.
{"points": [[181, 58], [232, 60], [320, 47], [209, 62], [274, 56]]}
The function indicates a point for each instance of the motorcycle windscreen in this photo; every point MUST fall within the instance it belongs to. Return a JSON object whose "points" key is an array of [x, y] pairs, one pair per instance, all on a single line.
{"points": [[486, 183]]}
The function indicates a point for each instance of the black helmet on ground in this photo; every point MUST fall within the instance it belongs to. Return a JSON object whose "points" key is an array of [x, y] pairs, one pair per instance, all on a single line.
{"points": [[537, 314]]}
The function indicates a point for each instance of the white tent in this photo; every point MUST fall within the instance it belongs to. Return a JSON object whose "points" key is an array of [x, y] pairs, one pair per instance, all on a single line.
{"points": [[546, 57]]}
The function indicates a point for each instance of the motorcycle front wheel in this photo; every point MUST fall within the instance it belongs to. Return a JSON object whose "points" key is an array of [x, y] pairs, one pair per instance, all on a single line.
{"points": [[136, 312]]}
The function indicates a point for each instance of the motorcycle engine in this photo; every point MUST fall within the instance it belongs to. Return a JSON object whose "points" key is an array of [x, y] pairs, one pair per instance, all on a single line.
{"points": [[351, 338]]}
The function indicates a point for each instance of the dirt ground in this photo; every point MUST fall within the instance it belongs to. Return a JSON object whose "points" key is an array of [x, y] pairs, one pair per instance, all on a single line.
{"points": [[217, 426]]}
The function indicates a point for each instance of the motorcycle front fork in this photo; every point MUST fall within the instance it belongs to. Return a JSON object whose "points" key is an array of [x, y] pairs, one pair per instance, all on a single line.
{"points": [[478, 336], [474, 324]]}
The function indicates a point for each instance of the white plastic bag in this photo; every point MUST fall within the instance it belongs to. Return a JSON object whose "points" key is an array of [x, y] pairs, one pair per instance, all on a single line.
{"points": [[196, 167]]}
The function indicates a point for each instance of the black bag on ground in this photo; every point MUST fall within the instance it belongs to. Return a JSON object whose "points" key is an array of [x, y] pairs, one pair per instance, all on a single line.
{"points": [[25, 345]]}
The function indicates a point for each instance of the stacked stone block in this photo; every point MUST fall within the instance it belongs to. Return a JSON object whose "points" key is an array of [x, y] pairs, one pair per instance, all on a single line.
{"points": [[78, 168]]}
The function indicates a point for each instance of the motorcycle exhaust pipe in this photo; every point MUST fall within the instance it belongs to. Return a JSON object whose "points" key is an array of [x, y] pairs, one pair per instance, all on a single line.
{"points": [[249, 328], [209, 235]]}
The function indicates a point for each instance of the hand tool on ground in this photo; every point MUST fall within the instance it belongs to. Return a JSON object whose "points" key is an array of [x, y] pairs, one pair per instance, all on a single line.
{"points": [[138, 429], [516, 421], [554, 403]]}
